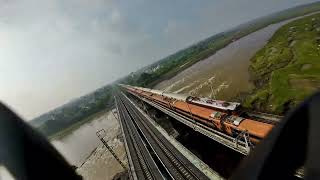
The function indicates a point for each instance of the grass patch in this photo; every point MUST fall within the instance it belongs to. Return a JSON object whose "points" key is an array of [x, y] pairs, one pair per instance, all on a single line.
{"points": [[287, 69]]}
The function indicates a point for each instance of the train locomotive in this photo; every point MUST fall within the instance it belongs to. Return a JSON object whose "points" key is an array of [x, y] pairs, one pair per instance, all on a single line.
{"points": [[220, 115]]}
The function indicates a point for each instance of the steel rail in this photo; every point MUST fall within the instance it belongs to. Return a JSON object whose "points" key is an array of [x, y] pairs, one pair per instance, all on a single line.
{"points": [[145, 167], [182, 167]]}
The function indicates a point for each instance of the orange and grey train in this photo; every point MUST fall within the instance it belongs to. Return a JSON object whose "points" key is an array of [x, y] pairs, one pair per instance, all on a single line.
{"points": [[220, 115]]}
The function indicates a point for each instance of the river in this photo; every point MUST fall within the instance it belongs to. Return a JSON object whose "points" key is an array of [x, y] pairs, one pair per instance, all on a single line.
{"points": [[223, 75]]}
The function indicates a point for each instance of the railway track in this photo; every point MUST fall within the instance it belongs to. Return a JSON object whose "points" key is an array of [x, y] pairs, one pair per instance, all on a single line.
{"points": [[144, 166], [261, 117], [176, 165]]}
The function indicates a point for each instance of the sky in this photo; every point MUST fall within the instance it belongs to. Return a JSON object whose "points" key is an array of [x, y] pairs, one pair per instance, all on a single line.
{"points": [[52, 51]]}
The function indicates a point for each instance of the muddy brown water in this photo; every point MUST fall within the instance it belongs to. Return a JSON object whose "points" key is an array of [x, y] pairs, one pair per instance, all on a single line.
{"points": [[83, 149], [225, 74]]}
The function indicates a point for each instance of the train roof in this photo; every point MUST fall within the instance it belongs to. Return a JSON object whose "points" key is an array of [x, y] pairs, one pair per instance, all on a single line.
{"points": [[214, 103], [224, 105], [155, 91], [180, 97]]}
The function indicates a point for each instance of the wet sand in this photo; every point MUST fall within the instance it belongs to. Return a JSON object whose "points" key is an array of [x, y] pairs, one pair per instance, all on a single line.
{"points": [[101, 164]]}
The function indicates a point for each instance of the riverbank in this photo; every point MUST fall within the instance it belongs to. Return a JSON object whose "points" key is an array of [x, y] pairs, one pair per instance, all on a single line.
{"points": [[100, 164], [79, 144], [76, 125], [82, 148], [287, 69]]}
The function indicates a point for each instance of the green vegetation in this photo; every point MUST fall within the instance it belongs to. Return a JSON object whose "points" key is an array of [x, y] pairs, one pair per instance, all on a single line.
{"points": [[68, 117], [287, 69], [173, 64]]}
